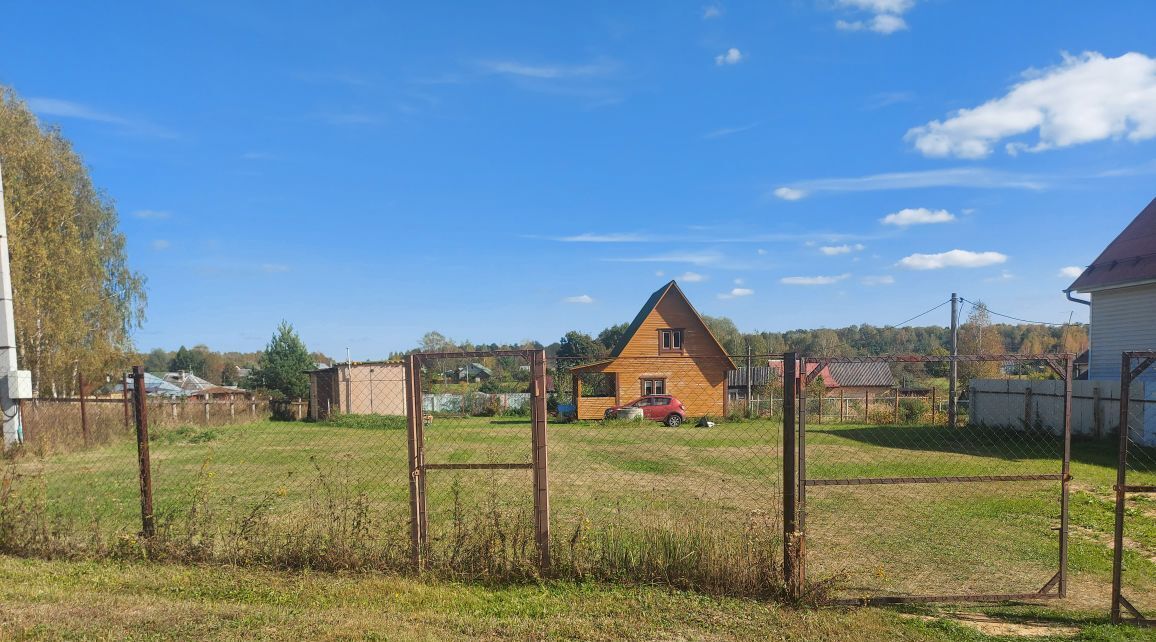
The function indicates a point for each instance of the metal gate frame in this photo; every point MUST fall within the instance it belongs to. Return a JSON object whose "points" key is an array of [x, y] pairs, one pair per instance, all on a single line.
{"points": [[1128, 374], [418, 467], [1054, 588]]}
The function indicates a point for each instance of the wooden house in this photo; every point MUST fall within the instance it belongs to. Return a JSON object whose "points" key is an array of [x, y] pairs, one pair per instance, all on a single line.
{"points": [[667, 349]]}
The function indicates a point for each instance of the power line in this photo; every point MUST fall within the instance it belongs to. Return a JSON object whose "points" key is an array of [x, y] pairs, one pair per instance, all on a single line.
{"points": [[922, 313], [1008, 316]]}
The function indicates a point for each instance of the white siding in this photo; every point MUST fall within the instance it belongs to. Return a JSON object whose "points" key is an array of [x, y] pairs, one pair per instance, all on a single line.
{"points": [[1122, 319]]}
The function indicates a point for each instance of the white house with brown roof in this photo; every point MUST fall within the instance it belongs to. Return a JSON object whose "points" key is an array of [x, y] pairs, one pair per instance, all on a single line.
{"points": [[1122, 285]]}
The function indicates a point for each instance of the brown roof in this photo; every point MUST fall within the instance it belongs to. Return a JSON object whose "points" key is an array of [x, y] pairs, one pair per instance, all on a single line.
{"points": [[649, 307], [1131, 258]]}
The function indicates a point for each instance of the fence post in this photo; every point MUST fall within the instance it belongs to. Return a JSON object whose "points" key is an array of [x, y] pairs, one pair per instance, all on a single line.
{"points": [[842, 406], [1065, 471], [933, 408], [1121, 482], [791, 543], [83, 413], [541, 475], [413, 421], [148, 526], [867, 407], [206, 411], [897, 405]]}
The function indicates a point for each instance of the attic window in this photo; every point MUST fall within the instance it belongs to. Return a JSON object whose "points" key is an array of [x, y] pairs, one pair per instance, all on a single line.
{"points": [[670, 340]]}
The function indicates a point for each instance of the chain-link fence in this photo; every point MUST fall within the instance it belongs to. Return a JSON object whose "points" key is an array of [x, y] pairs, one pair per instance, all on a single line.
{"points": [[471, 446], [908, 502], [1134, 538], [669, 468]]}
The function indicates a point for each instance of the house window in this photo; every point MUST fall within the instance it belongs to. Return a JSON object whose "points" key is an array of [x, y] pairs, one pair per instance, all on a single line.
{"points": [[653, 387], [670, 340]]}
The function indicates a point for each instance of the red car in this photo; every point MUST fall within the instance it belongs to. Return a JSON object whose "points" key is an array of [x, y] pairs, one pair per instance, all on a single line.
{"points": [[664, 408]]}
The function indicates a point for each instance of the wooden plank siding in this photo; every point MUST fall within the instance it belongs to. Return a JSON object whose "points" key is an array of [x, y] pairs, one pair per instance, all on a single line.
{"points": [[696, 374]]}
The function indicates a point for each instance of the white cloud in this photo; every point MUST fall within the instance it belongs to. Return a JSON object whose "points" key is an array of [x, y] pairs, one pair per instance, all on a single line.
{"points": [[790, 193], [68, 109], [1003, 276], [1083, 99], [546, 71], [760, 252], [728, 131], [660, 273], [835, 250], [581, 298], [879, 6], [712, 11], [885, 279], [813, 280], [692, 277], [887, 18], [693, 258], [917, 216], [736, 293], [159, 215], [732, 57], [602, 238], [953, 258], [1070, 272], [885, 24], [274, 268], [976, 177], [160, 245]]}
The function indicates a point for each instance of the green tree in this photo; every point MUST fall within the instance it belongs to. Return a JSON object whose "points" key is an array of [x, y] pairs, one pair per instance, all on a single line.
{"points": [[157, 360], [581, 347], [282, 366], [75, 297], [610, 337], [186, 360]]}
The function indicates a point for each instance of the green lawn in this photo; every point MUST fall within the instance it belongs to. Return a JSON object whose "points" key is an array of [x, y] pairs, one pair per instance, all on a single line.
{"points": [[110, 600], [690, 507]]}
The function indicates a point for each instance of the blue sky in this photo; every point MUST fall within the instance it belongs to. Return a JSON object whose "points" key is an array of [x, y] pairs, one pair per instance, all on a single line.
{"points": [[516, 170]]}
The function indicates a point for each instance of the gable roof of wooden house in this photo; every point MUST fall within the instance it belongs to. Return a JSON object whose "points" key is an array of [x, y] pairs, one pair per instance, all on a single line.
{"points": [[670, 289], [1130, 259]]}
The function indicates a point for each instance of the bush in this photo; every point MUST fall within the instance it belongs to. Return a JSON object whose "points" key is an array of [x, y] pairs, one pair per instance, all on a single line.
{"points": [[911, 411], [372, 422]]}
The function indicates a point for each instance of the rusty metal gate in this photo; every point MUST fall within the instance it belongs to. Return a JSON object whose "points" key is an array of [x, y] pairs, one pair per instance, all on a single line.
{"points": [[1135, 480], [478, 491], [898, 502]]}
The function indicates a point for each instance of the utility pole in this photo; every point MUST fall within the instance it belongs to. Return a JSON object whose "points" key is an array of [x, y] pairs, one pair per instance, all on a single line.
{"points": [[13, 432], [953, 378], [750, 373]]}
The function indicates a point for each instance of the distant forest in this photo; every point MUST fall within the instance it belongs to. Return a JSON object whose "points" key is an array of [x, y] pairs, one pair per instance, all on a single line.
{"points": [[977, 334]]}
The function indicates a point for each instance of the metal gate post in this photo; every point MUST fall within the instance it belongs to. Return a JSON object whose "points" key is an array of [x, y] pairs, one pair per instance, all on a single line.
{"points": [[413, 422], [1121, 482], [790, 479], [1066, 471], [541, 477]]}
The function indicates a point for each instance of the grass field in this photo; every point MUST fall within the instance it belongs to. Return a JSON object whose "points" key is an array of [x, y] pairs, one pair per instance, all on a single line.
{"points": [[689, 507], [111, 600]]}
